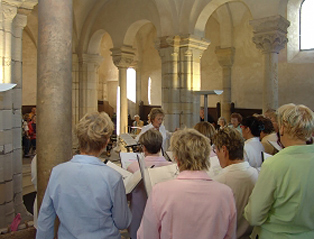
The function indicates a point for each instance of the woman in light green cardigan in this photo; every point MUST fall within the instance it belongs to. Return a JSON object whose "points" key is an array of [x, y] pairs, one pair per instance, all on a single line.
{"points": [[281, 205]]}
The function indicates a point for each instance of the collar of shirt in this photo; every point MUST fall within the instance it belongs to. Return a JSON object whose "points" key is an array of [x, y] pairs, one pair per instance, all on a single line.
{"points": [[236, 167], [87, 159], [297, 149], [254, 139], [193, 175], [155, 159]]}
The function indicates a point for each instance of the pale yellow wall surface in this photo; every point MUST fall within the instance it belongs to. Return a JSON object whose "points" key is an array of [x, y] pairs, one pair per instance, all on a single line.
{"points": [[29, 89], [149, 64]]}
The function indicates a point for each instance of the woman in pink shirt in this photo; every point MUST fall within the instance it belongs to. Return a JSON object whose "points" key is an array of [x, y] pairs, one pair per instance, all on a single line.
{"points": [[192, 205], [151, 142]]}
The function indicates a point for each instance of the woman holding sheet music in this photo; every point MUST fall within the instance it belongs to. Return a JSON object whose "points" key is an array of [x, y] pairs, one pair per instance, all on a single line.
{"points": [[192, 205], [87, 196], [150, 142], [281, 204]]}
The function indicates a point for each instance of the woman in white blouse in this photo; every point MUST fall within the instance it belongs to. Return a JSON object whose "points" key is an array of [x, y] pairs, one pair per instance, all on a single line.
{"points": [[253, 148]]}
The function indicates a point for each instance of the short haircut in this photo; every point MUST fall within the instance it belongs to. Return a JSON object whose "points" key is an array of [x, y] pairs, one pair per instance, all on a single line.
{"points": [[206, 128], [191, 149], [154, 112], [93, 131], [236, 115], [152, 140], [268, 125], [223, 119], [298, 121], [254, 124], [232, 140]]}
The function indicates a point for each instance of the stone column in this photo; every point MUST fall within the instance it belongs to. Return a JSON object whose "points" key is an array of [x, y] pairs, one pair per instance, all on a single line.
{"points": [[181, 75], [89, 79], [54, 88], [17, 77], [7, 210], [270, 36], [225, 58], [123, 58]]}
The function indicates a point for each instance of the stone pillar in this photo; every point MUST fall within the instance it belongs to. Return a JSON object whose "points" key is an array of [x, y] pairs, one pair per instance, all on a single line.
{"points": [[89, 79], [54, 88], [225, 58], [123, 58], [11, 27], [7, 210], [181, 75], [270, 36], [19, 23]]}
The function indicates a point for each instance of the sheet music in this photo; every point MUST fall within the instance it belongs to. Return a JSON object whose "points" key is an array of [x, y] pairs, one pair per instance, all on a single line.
{"points": [[127, 159], [152, 176], [275, 145], [130, 180], [128, 140]]}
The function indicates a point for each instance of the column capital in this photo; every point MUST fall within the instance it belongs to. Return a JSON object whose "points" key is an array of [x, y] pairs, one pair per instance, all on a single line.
{"points": [[123, 57], [9, 12], [225, 56], [20, 21], [270, 33], [192, 45], [27, 6]]}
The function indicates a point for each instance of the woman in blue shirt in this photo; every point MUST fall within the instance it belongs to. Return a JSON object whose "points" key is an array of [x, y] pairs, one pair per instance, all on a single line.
{"points": [[87, 196]]}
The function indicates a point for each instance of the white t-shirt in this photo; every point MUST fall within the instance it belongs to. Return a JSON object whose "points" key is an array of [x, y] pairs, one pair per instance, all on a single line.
{"points": [[253, 149]]}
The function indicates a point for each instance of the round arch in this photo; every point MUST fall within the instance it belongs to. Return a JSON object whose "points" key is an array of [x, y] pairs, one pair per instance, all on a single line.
{"points": [[132, 31]]}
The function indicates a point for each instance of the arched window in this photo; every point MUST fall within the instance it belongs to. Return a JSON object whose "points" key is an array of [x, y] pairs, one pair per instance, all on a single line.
{"points": [[131, 84], [306, 25]]}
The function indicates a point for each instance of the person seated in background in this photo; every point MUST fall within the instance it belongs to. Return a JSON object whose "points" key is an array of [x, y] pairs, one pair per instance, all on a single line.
{"points": [[87, 195], [235, 121], [157, 116], [208, 130], [268, 135], [150, 142], [281, 204], [137, 125], [222, 122], [253, 148], [192, 205], [236, 173]]}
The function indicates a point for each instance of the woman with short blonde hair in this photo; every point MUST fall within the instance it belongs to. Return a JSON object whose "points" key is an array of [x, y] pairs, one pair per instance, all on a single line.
{"points": [[281, 204], [192, 205], [87, 196], [184, 144], [93, 132]]}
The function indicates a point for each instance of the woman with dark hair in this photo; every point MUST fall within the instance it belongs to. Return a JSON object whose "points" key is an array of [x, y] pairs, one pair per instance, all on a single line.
{"points": [[251, 129], [151, 142], [268, 135]]}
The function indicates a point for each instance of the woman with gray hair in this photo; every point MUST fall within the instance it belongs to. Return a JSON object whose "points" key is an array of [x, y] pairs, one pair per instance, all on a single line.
{"points": [[87, 196], [281, 204]]}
